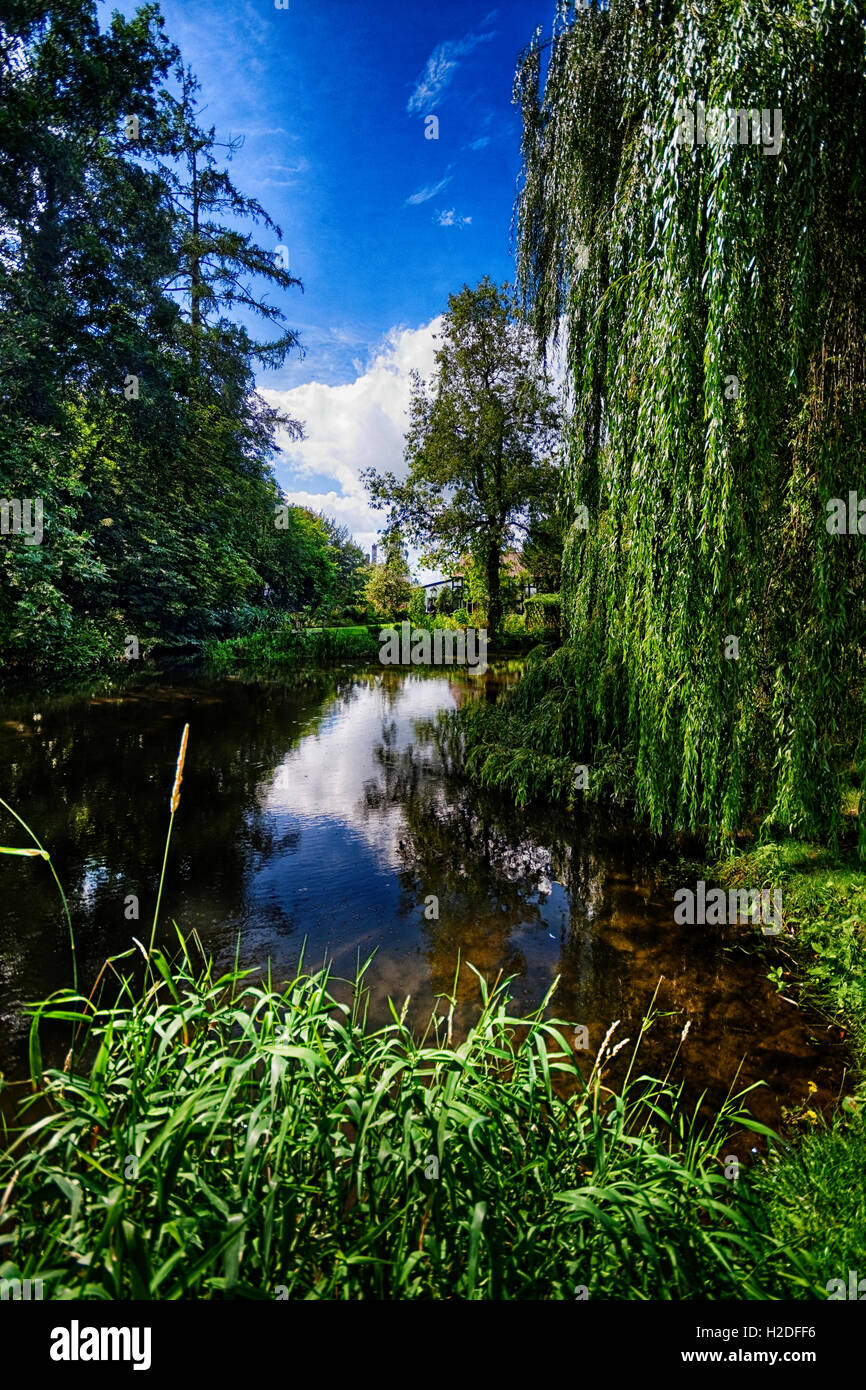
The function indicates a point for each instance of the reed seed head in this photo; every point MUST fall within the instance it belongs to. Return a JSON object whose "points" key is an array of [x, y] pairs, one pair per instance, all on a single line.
{"points": [[178, 772]]}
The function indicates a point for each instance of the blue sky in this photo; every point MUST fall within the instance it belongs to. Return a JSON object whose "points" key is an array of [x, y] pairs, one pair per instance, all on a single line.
{"points": [[381, 223]]}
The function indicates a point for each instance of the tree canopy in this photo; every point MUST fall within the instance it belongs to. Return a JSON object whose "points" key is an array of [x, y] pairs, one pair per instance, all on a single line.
{"points": [[127, 393], [388, 586], [711, 297], [480, 441]]}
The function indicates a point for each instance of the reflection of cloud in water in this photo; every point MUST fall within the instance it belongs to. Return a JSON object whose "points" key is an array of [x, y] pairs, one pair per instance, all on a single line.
{"points": [[341, 849], [323, 780]]}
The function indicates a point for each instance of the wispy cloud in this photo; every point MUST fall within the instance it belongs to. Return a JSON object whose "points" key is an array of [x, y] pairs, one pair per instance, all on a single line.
{"points": [[484, 136], [425, 194], [302, 166], [292, 173], [448, 218], [257, 132], [441, 67]]}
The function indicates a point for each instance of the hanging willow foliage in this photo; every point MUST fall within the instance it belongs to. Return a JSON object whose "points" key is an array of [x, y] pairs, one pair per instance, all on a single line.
{"points": [[671, 269]]}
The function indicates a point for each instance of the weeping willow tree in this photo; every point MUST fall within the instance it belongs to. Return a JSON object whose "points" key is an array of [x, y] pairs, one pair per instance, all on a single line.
{"points": [[710, 300]]}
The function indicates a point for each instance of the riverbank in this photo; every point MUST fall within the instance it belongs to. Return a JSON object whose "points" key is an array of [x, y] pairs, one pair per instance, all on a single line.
{"points": [[228, 1140], [521, 748], [288, 646], [818, 1188], [824, 909], [813, 1185]]}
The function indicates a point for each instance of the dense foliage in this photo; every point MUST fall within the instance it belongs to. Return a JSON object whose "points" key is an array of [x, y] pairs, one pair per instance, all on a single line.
{"points": [[480, 443], [285, 645], [127, 400], [713, 300]]}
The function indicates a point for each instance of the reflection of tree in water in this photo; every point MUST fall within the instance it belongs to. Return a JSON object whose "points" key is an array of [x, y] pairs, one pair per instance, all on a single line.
{"points": [[93, 777], [492, 869], [468, 851]]}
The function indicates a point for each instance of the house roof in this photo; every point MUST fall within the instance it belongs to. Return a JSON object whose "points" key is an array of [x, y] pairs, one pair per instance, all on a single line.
{"points": [[512, 563]]}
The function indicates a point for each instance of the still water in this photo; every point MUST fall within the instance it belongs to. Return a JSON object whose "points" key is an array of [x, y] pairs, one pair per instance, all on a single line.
{"points": [[321, 812]]}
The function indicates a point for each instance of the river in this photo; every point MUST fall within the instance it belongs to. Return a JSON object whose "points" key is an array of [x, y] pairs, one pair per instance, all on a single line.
{"points": [[320, 812]]}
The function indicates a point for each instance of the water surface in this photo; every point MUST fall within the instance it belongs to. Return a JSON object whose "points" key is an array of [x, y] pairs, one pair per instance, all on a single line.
{"points": [[320, 812]]}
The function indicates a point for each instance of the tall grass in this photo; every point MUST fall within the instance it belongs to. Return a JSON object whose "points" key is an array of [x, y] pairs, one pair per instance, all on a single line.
{"points": [[39, 851], [231, 1139], [289, 646]]}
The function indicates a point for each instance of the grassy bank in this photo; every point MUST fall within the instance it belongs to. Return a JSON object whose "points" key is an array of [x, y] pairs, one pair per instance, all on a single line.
{"points": [[818, 1188], [289, 646], [824, 906], [226, 1139]]}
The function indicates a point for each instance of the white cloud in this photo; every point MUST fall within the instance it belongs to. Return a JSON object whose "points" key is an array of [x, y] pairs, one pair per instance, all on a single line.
{"points": [[425, 194], [257, 132], [291, 171], [354, 426], [441, 67], [448, 218], [301, 166]]}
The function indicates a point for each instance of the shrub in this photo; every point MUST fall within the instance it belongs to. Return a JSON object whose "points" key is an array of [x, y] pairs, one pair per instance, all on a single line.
{"points": [[542, 613]]}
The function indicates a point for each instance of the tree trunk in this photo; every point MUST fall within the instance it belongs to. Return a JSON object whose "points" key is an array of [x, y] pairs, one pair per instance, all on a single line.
{"points": [[494, 597], [195, 282]]}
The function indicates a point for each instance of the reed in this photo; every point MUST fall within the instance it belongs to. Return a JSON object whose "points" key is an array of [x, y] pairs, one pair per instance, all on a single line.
{"points": [[173, 805], [231, 1139]]}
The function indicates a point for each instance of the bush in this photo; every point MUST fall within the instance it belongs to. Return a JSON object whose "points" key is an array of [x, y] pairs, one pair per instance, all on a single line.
{"points": [[290, 646], [542, 613], [357, 614]]}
